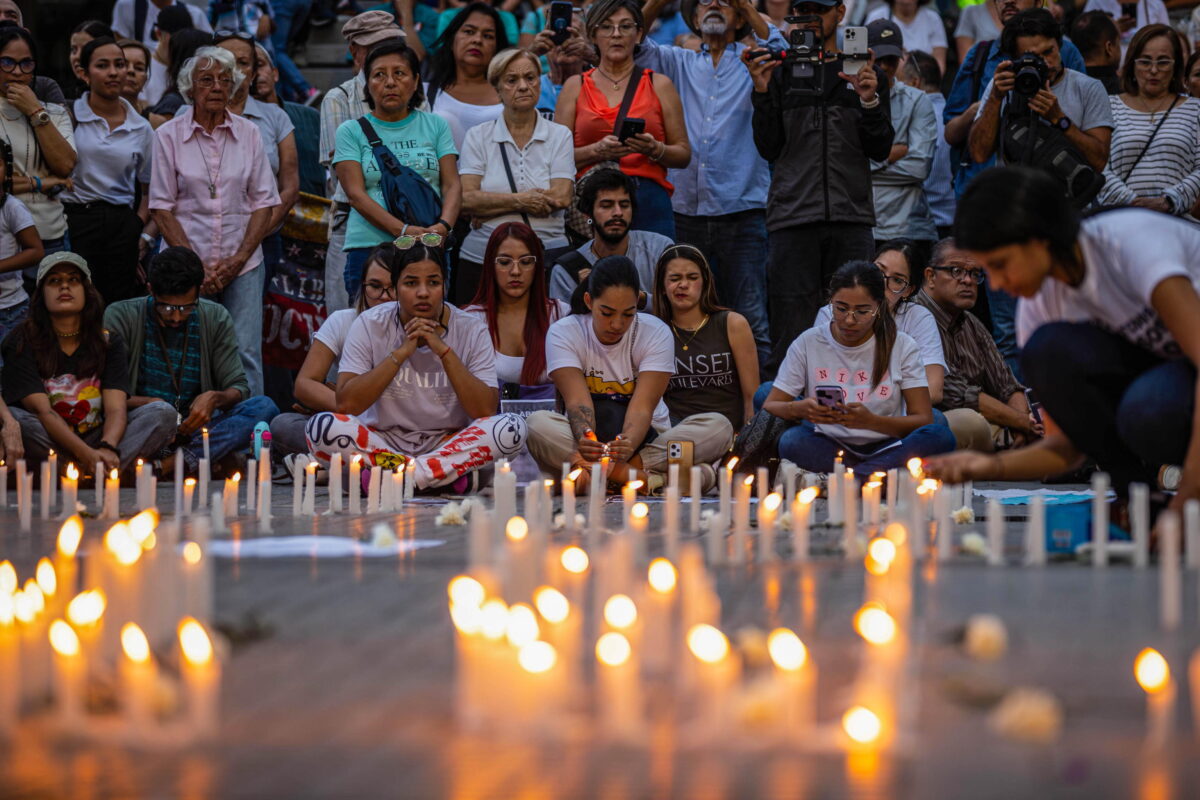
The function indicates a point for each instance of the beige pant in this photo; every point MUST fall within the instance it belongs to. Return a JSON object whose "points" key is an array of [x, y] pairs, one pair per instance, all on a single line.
{"points": [[972, 431], [551, 443]]}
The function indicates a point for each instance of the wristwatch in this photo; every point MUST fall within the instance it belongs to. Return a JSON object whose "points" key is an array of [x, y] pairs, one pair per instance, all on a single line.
{"points": [[1064, 124], [39, 118]]}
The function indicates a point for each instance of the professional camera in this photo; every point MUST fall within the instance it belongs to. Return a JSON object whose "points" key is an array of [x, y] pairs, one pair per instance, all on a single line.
{"points": [[1031, 74]]}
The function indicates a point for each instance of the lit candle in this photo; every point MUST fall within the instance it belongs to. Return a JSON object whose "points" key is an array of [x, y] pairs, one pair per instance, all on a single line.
{"points": [[1035, 536], [835, 507], [189, 490], [620, 697], [335, 483], [207, 454], [716, 674], [410, 480], [264, 503], [66, 568], [297, 487], [251, 478], [70, 491], [941, 513], [596, 498], [264, 473], [308, 507], [893, 494], [995, 533], [373, 483], [1100, 520], [1171, 592], [741, 520], [795, 677], [768, 510], [696, 485], [398, 488], [201, 677], [801, 511], [671, 522], [112, 496], [139, 678], [628, 498], [139, 484], [568, 499], [725, 487], [639, 517], [10, 666], [659, 619], [520, 569], [3, 484], [871, 511], [1139, 518], [69, 674], [355, 484], [205, 474], [197, 567], [385, 492], [230, 495], [44, 490], [52, 460], [1154, 676]]}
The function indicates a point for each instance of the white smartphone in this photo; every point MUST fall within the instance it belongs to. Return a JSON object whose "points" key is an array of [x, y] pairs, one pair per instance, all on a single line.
{"points": [[854, 50]]}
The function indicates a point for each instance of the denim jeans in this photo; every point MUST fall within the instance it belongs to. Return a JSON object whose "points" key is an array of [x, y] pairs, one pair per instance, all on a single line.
{"points": [[736, 248], [289, 15], [356, 257], [653, 209], [1122, 405], [815, 452], [148, 429], [228, 431], [1003, 308], [10, 318], [335, 264], [243, 299]]}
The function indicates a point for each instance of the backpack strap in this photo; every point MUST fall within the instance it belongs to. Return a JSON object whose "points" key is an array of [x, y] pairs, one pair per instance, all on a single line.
{"points": [[977, 68], [574, 263]]}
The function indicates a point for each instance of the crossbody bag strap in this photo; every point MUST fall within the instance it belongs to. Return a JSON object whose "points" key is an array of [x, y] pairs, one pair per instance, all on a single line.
{"points": [[1149, 141], [383, 155], [512, 184], [627, 100]]}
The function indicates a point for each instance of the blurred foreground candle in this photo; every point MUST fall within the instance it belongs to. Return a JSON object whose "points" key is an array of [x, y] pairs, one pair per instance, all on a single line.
{"points": [[1154, 676], [628, 498], [1170, 588], [716, 674], [659, 618], [995, 533], [871, 499], [520, 569], [65, 566], [356, 484], [639, 518], [44, 484], [1035, 536], [230, 495], [205, 475], [835, 507], [697, 486], [1100, 520], [795, 677], [801, 514], [1191, 532], [70, 491], [893, 494], [671, 521], [10, 666], [768, 511], [201, 677], [139, 678], [70, 672], [862, 726], [620, 696], [850, 498]]}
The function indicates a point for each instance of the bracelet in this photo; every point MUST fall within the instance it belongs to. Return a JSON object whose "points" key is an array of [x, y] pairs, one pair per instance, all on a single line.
{"points": [[661, 153], [37, 184], [402, 230], [447, 352], [106, 446], [873, 104], [449, 227], [147, 238], [395, 360]]}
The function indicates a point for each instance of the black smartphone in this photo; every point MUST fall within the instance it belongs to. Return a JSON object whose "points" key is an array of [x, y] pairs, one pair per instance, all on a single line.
{"points": [[1035, 408], [830, 396], [632, 126], [774, 54], [55, 191], [559, 22], [1129, 10]]}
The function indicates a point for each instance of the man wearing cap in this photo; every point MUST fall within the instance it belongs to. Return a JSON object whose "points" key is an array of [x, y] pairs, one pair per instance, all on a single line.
{"points": [[342, 103], [901, 210], [822, 134], [135, 19], [721, 195]]}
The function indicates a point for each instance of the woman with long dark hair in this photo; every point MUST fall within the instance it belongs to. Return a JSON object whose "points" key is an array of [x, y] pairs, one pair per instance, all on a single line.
{"points": [[66, 378], [459, 90], [716, 363], [513, 303], [417, 381], [859, 381]]}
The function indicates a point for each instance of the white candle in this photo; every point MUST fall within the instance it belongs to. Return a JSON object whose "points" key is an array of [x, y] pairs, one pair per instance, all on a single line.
{"points": [[1171, 592], [70, 491], [893, 494], [373, 484], [52, 460], [1191, 530], [568, 499], [695, 485], [725, 487], [671, 522], [1035, 537], [768, 508], [796, 679], [139, 484], [1100, 520], [25, 502], [189, 491], [836, 509], [871, 513], [178, 482], [69, 675], [399, 487], [1153, 674], [355, 484], [205, 474], [628, 498], [201, 677], [44, 490], [801, 509], [716, 672], [995, 533], [297, 486], [945, 530], [850, 515], [762, 481], [112, 496], [264, 472], [217, 513], [251, 479], [139, 679], [207, 454], [639, 517], [99, 473], [3, 484], [152, 482], [335, 483], [230, 496], [673, 475], [10, 667], [716, 539], [264, 507], [385, 492], [308, 507], [1139, 519], [741, 519], [479, 542], [410, 480], [620, 697]]}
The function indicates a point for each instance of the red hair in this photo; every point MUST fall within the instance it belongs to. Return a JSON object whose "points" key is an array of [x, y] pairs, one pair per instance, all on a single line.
{"points": [[537, 314]]}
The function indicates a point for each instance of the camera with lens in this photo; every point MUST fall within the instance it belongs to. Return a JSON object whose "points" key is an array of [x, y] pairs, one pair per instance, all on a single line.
{"points": [[1031, 74]]}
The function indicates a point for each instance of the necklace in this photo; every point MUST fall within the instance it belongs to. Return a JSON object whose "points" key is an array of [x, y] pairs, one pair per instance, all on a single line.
{"points": [[212, 179], [70, 335], [615, 82], [1154, 111], [694, 333]]}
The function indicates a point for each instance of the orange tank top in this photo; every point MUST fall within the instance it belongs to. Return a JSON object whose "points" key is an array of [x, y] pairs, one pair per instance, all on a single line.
{"points": [[594, 119]]}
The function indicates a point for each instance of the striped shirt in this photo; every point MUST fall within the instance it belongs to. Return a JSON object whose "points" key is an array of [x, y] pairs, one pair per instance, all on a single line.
{"points": [[1171, 165], [341, 103]]}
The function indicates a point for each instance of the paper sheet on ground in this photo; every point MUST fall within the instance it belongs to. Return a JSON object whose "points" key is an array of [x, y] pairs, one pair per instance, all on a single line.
{"points": [[1022, 497], [312, 546]]}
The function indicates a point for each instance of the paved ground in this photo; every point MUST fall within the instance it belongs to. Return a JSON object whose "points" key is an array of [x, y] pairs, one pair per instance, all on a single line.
{"points": [[350, 693]]}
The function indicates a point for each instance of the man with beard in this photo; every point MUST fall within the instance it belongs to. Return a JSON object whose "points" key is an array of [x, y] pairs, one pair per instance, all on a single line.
{"points": [[721, 195], [607, 198], [183, 350]]}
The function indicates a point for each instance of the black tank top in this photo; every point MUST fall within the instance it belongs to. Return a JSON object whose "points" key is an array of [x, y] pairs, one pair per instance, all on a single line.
{"points": [[706, 378]]}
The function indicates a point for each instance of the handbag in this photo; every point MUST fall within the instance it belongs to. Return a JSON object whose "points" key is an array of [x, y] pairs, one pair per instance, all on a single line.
{"points": [[512, 184], [1149, 141], [757, 443], [406, 195]]}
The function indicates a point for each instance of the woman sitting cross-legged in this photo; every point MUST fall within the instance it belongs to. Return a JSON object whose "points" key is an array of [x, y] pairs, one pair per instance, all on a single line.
{"points": [[417, 379], [611, 365], [863, 384], [66, 378], [313, 390], [513, 303]]}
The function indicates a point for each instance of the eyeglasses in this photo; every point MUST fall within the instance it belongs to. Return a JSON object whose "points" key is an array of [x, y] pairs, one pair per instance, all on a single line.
{"points": [[1163, 64], [722, 3], [525, 262], [841, 311], [26, 65], [958, 273], [408, 241], [170, 308], [225, 33], [375, 289], [208, 82], [612, 29], [58, 281], [896, 283]]}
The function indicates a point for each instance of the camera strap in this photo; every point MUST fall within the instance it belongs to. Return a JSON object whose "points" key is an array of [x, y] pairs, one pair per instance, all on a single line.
{"points": [[1149, 141]]}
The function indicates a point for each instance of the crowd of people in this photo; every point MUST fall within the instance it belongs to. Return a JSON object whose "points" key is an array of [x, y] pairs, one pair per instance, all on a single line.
{"points": [[684, 231]]}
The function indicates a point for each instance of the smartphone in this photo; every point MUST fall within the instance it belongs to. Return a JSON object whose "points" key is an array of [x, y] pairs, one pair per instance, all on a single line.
{"points": [[854, 50], [632, 126], [830, 396], [559, 21], [1035, 408], [683, 454], [774, 54]]}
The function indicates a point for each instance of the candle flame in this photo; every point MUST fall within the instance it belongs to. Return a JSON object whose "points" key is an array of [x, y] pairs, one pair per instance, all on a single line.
{"points": [[574, 560], [33, 593], [1152, 671], [773, 501], [204, 431], [729, 465], [786, 649], [748, 480], [139, 461], [613, 649], [875, 624], [862, 725], [882, 550], [112, 474], [86, 608], [47, 580], [923, 490], [522, 627], [639, 511], [468, 619], [237, 476], [120, 543], [620, 611], [897, 533], [69, 536], [494, 620], [23, 608], [661, 575], [633, 486], [63, 639], [72, 472], [193, 640], [707, 643], [931, 484], [552, 604], [548, 483], [914, 468], [50, 452], [466, 591], [537, 657], [310, 468], [357, 459], [142, 526], [192, 553], [8, 577], [878, 476], [516, 529], [574, 474], [134, 643], [808, 496], [872, 485], [8, 611]]}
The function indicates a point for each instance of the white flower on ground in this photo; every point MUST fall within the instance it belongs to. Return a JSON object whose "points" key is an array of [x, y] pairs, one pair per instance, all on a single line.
{"points": [[560, 521], [451, 514], [706, 518], [468, 506], [383, 536], [974, 544], [1028, 715], [986, 638], [964, 516]]}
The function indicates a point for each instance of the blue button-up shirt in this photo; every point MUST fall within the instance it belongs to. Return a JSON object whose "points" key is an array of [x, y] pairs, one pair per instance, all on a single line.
{"points": [[960, 99], [726, 174]]}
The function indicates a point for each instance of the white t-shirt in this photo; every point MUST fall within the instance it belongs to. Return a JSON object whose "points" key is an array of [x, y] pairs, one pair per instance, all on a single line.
{"points": [[508, 368], [419, 406], [816, 360], [1149, 12], [925, 32], [156, 83], [123, 18], [333, 333], [462, 116], [1127, 254], [613, 368], [914, 320], [14, 217]]}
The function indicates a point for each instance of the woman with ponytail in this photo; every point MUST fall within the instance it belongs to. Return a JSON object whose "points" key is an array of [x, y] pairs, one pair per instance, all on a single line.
{"points": [[861, 384]]}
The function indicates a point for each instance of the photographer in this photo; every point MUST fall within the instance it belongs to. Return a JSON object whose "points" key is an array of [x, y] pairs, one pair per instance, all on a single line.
{"points": [[821, 127]]}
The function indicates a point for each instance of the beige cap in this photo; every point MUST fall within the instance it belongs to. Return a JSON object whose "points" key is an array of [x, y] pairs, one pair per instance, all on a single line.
{"points": [[371, 27], [62, 257]]}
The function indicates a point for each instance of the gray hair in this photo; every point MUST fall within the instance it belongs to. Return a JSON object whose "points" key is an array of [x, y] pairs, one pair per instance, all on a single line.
{"points": [[505, 59], [207, 58]]}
